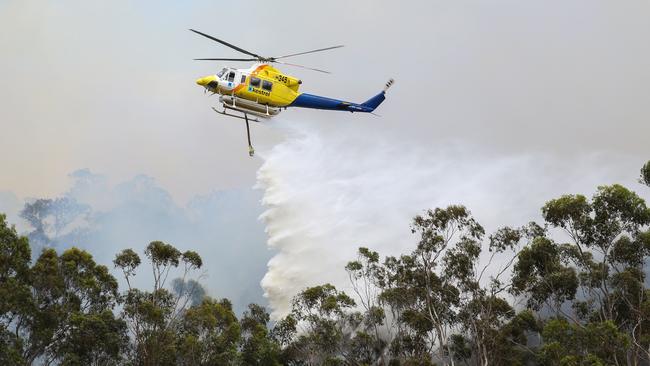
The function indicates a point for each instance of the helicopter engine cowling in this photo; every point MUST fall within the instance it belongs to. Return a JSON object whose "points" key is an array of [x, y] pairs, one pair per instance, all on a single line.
{"points": [[247, 106]]}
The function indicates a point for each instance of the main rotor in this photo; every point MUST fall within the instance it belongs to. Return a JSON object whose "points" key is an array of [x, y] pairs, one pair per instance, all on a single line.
{"points": [[258, 58]]}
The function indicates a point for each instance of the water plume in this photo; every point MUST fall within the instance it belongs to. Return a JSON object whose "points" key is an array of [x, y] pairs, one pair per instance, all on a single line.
{"points": [[328, 193]]}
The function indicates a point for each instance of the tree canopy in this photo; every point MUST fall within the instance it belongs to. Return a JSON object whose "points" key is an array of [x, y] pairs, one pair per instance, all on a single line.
{"points": [[570, 290]]}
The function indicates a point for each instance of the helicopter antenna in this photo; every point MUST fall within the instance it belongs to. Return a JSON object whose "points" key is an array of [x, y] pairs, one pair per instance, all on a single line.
{"points": [[261, 58]]}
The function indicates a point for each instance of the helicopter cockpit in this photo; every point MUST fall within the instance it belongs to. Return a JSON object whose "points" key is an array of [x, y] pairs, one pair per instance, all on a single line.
{"points": [[230, 77], [222, 72]]}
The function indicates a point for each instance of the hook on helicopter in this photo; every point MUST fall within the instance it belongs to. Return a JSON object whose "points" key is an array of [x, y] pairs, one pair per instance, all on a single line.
{"points": [[263, 91]]}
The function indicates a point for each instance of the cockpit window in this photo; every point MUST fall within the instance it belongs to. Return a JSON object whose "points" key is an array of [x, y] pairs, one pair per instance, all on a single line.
{"points": [[267, 85], [231, 76], [255, 82], [220, 73]]}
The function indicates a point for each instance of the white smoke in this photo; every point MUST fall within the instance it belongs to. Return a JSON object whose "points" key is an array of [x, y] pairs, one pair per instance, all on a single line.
{"points": [[327, 194]]}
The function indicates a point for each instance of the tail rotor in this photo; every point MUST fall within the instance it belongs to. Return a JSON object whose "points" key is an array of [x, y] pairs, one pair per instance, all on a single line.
{"points": [[389, 83]]}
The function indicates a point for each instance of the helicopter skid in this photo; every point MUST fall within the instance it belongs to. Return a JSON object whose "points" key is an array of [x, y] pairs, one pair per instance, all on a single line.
{"points": [[247, 106], [225, 113]]}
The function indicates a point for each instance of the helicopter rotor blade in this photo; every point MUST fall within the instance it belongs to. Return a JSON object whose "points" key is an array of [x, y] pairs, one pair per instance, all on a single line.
{"points": [[227, 44], [306, 52], [225, 59], [304, 67]]}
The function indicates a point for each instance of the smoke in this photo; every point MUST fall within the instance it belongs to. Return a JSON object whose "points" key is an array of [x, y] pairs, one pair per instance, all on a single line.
{"points": [[10, 205], [103, 218], [327, 193], [326, 190]]}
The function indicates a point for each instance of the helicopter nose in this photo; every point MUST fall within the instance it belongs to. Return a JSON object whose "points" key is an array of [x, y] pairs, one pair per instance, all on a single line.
{"points": [[204, 81]]}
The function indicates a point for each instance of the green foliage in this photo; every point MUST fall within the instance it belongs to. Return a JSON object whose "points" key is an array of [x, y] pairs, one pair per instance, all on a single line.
{"points": [[321, 301], [574, 344], [209, 335], [155, 317], [74, 297], [321, 326], [192, 259], [505, 238], [436, 226], [645, 174], [257, 346], [58, 310], [607, 254], [107, 333], [15, 257], [128, 261], [162, 255], [568, 211], [539, 273]]}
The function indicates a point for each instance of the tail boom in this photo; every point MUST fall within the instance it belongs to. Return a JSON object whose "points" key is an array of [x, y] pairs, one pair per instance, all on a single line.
{"points": [[306, 100]]}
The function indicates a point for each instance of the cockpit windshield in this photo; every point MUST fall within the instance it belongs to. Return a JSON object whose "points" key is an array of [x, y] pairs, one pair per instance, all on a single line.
{"points": [[220, 73]]}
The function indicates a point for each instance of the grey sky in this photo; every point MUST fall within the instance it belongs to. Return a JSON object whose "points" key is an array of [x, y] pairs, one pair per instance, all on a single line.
{"points": [[110, 85]]}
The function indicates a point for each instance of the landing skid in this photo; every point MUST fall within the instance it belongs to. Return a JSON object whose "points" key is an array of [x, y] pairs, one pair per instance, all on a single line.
{"points": [[225, 113], [251, 150]]}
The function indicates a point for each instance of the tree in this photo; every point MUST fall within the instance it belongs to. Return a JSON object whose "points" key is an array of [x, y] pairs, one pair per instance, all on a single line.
{"points": [[608, 248], [421, 300], [645, 174], [595, 283], [540, 275], [73, 297], [258, 348], [438, 296], [368, 279], [59, 310], [153, 317], [15, 296], [209, 334], [321, 312], [596, 343]]}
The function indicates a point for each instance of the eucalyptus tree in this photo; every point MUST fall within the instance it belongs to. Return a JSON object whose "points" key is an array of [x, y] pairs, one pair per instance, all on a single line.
{"points": [[319, 329], [368, 279], [15, 292], [419, 304], [58, 310], [154, 316], [258, 347], [594, 283], [209, 334]]}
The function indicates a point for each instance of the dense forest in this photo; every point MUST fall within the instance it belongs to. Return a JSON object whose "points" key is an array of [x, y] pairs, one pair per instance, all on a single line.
{"points": [[570, 290]]}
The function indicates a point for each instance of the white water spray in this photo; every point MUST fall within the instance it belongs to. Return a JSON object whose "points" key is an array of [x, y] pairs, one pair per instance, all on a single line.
{"points": [[326, 195]]}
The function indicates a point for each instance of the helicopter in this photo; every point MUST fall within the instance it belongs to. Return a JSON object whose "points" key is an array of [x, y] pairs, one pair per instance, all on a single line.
{"points": [[263, 91]]}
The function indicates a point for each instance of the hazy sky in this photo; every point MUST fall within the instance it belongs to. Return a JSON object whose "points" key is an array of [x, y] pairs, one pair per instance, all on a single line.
{"points": [[109, 85], [500, 103]]}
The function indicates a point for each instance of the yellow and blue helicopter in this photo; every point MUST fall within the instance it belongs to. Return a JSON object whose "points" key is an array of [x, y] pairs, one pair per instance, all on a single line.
{"points": [[263, 91]]}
